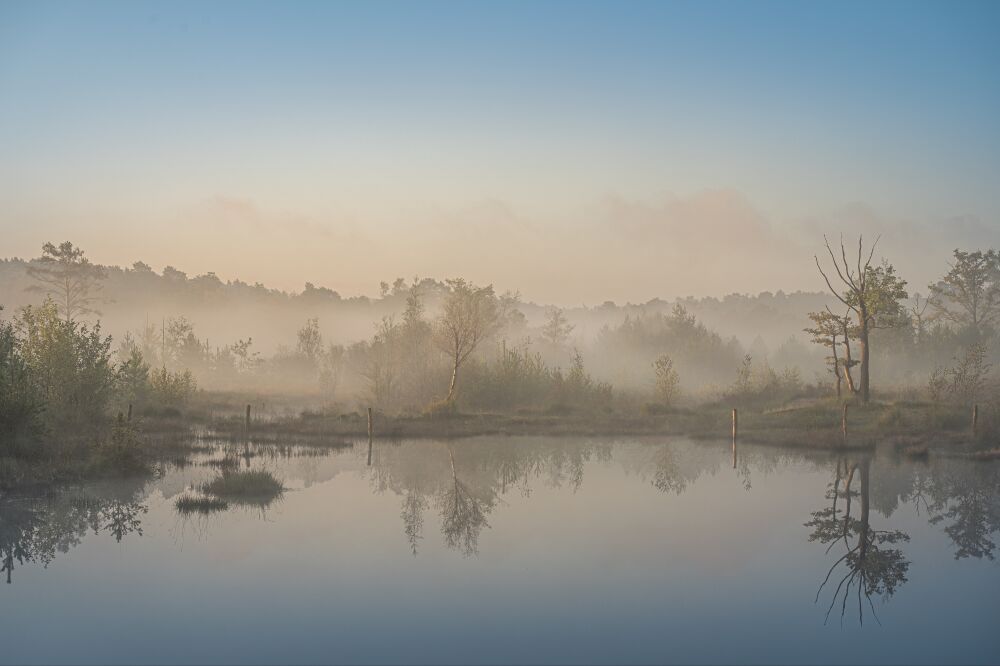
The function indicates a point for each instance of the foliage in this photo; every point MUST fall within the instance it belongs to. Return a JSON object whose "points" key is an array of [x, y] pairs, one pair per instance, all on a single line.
{"points": [[968, 295], [68, 365], [755, 383], [697, 352], [470, 315], [516, 377], [873, 293], [133, 380], [557, 328], [171, 389], [667, 380], [122, 450], [68, 277], [964, 382], [21, 407]]}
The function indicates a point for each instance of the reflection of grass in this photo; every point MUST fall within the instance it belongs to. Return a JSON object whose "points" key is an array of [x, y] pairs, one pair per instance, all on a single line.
{"points": [[202, 505], [256, 486]]}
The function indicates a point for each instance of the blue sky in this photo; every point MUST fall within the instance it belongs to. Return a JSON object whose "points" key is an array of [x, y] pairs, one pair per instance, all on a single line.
{"points": [[385, 128]]}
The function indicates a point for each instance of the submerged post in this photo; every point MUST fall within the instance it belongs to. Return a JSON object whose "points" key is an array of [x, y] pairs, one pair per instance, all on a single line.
{"points": [[843, 423], [370, 434], [735, 429], [975, 420]]}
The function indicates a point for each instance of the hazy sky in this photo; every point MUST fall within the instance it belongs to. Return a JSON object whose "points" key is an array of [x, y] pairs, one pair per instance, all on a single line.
{"points": [[577, 152]]}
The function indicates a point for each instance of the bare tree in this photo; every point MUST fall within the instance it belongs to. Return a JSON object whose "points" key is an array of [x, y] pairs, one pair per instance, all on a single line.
{"points": [[471, 314], [872, 293], [69, 278]]}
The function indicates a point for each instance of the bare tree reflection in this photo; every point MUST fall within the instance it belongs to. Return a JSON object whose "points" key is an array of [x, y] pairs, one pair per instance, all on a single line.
{"points": [[871, 567]]}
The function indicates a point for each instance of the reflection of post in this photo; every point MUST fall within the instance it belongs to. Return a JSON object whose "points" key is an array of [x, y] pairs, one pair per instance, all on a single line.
{"points": [[843, 424], [370, 435], [975, 419], [130, 412], [735, 429], [246, 425]]}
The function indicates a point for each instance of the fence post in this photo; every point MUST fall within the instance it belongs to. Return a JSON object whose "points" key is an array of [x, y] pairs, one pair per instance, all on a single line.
{"points": [[246, 425]]}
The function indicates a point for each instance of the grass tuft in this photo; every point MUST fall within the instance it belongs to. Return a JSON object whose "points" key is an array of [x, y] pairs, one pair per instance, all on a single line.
{"points": [[203, 505], [249, 484]]}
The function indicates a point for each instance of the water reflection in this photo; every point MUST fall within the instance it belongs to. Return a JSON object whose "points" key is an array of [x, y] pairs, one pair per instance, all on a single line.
{"points": [[36, 529], [449, 493], [869, 562]]}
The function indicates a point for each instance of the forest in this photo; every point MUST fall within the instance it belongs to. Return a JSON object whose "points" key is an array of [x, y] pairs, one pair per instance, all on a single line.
{"points": [[452, 357]]}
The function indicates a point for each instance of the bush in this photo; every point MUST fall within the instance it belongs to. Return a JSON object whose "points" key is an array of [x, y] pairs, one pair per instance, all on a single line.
{"points": [[171, 389], [667, 380], [68, 365], [122, 450], [20, 404]]}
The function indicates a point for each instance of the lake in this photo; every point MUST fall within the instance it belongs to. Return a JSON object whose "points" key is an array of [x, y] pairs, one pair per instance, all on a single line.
{"points": [[514, 549]]}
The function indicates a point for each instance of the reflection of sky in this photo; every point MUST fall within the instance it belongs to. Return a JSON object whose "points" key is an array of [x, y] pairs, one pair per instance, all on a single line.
{"points": [[367, 127], [615, 571]]}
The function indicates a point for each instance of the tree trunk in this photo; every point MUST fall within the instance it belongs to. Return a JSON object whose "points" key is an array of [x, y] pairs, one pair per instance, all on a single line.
{"points": [[836, 363], [865, 387], [454, 380], [863, 540], [848, 362]]}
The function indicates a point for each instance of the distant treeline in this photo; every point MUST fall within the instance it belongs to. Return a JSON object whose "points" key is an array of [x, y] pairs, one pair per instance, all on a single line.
{"points": [[439, 346]]}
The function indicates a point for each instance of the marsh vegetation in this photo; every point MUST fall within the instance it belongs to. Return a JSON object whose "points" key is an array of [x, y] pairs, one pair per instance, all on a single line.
{"points": [[453, 358]]}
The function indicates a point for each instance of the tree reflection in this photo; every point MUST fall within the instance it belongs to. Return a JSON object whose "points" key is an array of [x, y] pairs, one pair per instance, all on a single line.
{"points": [[969, 506], [35, 530], [463, 512], [872, 566], [413, 518]]}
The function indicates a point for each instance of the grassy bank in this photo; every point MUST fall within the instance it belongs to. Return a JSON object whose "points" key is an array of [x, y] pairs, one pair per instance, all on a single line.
{"points": [[810, 423]]}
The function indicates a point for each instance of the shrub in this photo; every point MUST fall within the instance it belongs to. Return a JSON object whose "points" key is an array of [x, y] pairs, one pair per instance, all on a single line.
{"points": [[171, 389], [20, 404], [667, 380], [122, 450], [68, 365]]}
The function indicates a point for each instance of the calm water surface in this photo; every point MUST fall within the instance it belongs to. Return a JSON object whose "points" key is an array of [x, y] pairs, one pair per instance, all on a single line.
{"points": [[516, 550]]}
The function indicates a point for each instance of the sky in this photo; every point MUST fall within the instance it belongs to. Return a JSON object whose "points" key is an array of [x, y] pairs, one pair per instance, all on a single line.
{"points": [[578, 152]]}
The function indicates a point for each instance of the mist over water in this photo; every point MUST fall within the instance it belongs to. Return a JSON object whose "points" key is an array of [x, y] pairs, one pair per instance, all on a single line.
{"points": [[518, 550], [530, 333]]}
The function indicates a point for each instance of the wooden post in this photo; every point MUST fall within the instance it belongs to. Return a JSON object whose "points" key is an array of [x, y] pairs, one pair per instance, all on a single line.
{"points": [[130, 412], [975, 420], [247, 422], [370, 434], [735, 429], [843, 423]]}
